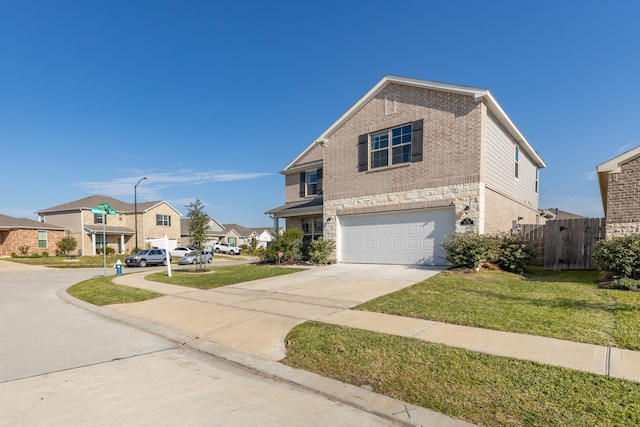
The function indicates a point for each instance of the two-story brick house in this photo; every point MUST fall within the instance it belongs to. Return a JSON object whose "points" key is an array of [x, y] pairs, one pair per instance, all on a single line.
{"points": [[409, 163], [619, 180], [154, 221]]}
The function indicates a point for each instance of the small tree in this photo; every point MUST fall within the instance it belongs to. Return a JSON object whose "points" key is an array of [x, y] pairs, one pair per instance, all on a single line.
{"points": [[198, 225]]}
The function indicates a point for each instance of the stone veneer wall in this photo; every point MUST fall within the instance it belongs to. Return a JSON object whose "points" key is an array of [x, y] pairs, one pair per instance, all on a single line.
{"points": [[623, 200], [455, 196]]}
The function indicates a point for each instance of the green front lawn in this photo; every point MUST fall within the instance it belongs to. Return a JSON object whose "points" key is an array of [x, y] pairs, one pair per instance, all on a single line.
{"points": [[480, 388], [70, 262], [102, 291], [560, 304], [217, 276]]}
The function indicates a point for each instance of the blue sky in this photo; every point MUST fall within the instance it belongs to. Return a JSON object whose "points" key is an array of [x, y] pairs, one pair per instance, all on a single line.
{"points": [[211, 99]]}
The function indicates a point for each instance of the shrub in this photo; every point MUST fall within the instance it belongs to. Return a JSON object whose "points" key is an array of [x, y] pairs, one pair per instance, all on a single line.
{"points": [[626, 284], [619, 257], [289, 243], [470, 249], [321, 251], [24, 249], [45, 253], [513, 253]]}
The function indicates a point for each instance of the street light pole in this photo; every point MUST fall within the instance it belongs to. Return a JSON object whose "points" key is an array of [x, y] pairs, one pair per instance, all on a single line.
{"points": [[135, 208]]}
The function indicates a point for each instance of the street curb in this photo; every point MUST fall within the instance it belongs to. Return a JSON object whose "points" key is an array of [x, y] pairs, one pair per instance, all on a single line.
{"points": [[360, 398]]}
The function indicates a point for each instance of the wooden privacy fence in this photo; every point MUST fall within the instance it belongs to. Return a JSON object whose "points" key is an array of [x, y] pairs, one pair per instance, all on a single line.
{"points": [[566, 244]]}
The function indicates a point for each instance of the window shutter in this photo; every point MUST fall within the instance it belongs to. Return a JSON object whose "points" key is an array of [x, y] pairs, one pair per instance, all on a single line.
{"points": [[416, 141], [303, 190], [319, 181], [363, 152]]}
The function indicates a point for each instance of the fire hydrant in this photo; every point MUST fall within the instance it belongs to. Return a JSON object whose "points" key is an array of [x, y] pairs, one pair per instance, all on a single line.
{"points": [[118, 268]]}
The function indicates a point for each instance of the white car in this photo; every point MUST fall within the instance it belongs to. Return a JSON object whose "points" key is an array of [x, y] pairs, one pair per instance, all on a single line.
{"points": [[226, 248], [181, 251]]}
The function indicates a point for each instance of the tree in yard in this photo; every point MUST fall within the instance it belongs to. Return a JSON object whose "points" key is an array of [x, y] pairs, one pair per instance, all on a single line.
{"points": [[289, 243], [68, 244], [198, 224]]}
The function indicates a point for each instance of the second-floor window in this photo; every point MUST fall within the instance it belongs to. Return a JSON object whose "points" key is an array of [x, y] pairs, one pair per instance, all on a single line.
{"points": [[516, 162], [394, 144], [163, 220], [311, 183]]}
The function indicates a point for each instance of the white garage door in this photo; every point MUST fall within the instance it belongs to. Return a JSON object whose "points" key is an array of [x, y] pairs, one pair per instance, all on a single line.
{"points": [[406, 237]]}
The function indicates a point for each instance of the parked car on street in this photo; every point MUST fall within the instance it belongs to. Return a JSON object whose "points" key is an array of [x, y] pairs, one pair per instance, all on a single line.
{"points": [[195, 257], [147, 257], [181, 251], [227, 249]]}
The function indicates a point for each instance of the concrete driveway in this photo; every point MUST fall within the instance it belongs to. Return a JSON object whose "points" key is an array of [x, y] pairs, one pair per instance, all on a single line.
{"points": [[255, 317], [60, 365]]}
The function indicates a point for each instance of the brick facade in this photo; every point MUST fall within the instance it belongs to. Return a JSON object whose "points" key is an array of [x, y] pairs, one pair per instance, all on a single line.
{"points": [[452, 171], [500, 212], [12, 240], [623, 215]]}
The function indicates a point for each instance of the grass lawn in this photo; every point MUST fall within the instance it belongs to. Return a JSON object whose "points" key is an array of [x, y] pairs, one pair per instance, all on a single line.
{"points": [[217, 276], [560, 304], [482, 389], [102, 291], [70, 262]]}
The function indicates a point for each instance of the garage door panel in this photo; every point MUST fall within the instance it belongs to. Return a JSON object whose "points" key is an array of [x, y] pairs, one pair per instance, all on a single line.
{"points": [[406, 237]]}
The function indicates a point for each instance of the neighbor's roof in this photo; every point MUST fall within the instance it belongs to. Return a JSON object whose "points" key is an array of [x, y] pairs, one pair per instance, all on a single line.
{"points": [[93, 202], [613, 166], [477, 93], [11, 223]]}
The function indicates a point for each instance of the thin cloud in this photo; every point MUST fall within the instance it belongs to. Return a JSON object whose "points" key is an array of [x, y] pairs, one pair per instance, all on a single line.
{"points": [[591, 176], [117, 187]]}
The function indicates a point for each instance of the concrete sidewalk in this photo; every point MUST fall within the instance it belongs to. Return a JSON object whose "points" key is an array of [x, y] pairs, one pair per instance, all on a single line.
{"points": [[255, 317]]}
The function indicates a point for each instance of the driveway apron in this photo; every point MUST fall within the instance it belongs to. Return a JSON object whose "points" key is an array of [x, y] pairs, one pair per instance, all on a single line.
{"points": [[255, 317]]}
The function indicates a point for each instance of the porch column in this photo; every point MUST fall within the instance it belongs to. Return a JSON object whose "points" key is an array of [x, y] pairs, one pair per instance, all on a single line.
{"points": [[93, 244]]}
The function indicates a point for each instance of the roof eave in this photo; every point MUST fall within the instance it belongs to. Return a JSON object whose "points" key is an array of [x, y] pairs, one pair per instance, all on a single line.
{"points": [[477, 93]]}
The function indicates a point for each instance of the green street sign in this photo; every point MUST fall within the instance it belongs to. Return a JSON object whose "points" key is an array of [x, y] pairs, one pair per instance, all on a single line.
{"points": [[97, 211], [104, 206], [111, 212]]}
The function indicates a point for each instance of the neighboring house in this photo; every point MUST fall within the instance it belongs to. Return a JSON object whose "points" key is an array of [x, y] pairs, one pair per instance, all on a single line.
{"points": [[557, 214], [244, 236], [409, 163], [39, 237], [215, 233], [154, 221], [619, 180]]}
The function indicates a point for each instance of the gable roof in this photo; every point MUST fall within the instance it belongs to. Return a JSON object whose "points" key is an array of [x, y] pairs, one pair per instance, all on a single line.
{"points": [[613, 166], [11, 223], [478, 94], [242, 231], [90, 202], [184, 227]]}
